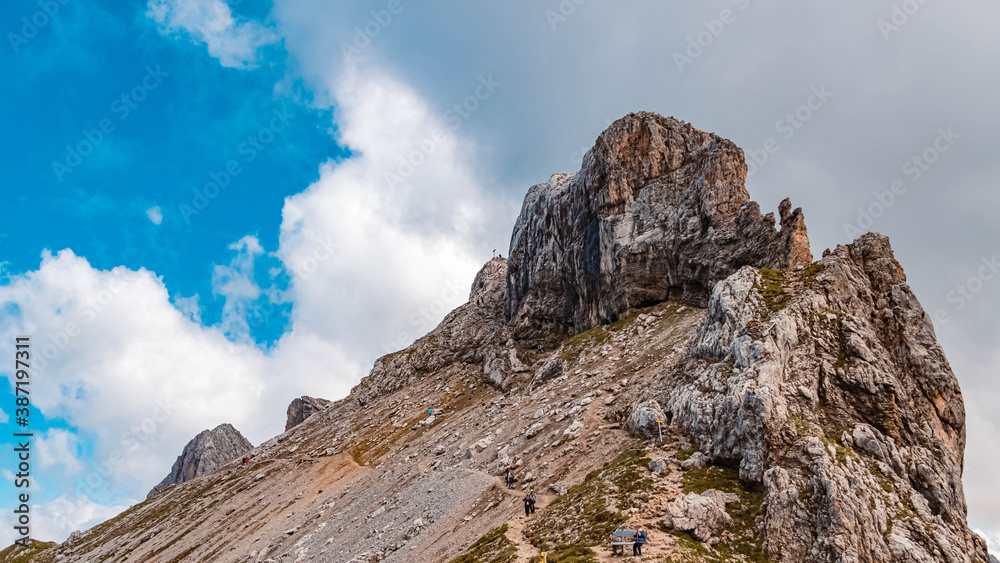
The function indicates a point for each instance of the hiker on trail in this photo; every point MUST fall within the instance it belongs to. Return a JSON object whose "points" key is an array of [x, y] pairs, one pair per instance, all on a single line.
{"points": [[509, 478], [245, 460], [531, 496], [638, 540], [527, 505]]}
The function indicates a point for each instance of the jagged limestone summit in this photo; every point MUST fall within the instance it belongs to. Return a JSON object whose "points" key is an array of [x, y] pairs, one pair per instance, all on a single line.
{"points": [[809, 413], [206, 452]]}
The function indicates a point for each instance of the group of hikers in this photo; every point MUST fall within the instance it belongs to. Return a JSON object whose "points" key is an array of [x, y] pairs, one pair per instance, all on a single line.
{"points": [[638, 537]]}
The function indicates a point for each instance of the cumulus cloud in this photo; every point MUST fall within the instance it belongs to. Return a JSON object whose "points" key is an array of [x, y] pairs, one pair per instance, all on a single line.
{"points": [[235, 283], [384, 244], [375, 262], [234, 41], [155, 214], [125, 367], [58, 447]]}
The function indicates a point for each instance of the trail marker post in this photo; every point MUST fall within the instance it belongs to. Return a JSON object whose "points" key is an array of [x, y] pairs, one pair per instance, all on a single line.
{"points": [[659, 425]]}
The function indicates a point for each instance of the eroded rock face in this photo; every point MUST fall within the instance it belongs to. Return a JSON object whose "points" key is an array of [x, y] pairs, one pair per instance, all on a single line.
{"points": [[704, 515], [302, 408], [208, 451], [657, 211], [828, 385]]}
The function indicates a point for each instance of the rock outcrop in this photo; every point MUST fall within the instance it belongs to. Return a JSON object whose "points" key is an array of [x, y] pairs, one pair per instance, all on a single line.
{"points": [[658, 211], [205, 453], [828, 386], [704, 515], [302, 408]]}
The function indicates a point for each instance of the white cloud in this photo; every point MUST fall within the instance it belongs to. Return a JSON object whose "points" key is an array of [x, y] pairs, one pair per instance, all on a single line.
{"points": [[56, 519], [58, 447], [233, 41], [125, 367], [155, 214], [189, 307], [139, 375], [372, 254], [236, 284]]}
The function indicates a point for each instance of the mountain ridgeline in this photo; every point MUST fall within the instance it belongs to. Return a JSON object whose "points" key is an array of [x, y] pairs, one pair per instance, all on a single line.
{"points": [[655, 351]]}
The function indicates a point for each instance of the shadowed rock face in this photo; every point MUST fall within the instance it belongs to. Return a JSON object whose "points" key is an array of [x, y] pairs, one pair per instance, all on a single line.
{"points": [[657, 211], [302, 408], [208, 451]]}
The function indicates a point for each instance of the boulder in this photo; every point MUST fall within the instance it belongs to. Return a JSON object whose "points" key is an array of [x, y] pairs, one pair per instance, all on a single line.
{"points": [[641, 421], [704, 515]]}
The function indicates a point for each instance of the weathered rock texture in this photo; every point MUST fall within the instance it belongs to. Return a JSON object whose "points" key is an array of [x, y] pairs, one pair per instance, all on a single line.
{"points": [[302, 408], [658, 211], [704, 515], [208, 451], [829, 387]]}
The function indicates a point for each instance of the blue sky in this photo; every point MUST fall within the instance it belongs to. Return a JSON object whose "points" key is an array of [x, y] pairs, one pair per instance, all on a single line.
{"points": [[310, 263], [74, 73], [184, 117]]}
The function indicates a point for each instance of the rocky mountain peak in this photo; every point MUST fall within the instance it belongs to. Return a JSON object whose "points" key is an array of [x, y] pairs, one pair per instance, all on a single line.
{"points": [[302, 408], [651, 331], [658, 211], [206, 452]]}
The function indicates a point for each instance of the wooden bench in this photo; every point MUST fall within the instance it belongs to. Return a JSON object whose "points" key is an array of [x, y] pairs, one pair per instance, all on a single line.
{"points": [[620, 539]]}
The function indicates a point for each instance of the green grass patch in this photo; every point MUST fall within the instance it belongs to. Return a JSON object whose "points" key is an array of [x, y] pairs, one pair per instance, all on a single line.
{"points": [[747, 543], [18, 554], [581, 517], [772, 289], [567, 554], [493, 547]]}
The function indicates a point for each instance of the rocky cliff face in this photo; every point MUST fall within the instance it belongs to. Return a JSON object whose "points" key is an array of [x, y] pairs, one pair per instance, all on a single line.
{"points": [[205, 453], [302, 408], [808, 412], [827, 385], [657, 212]]}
